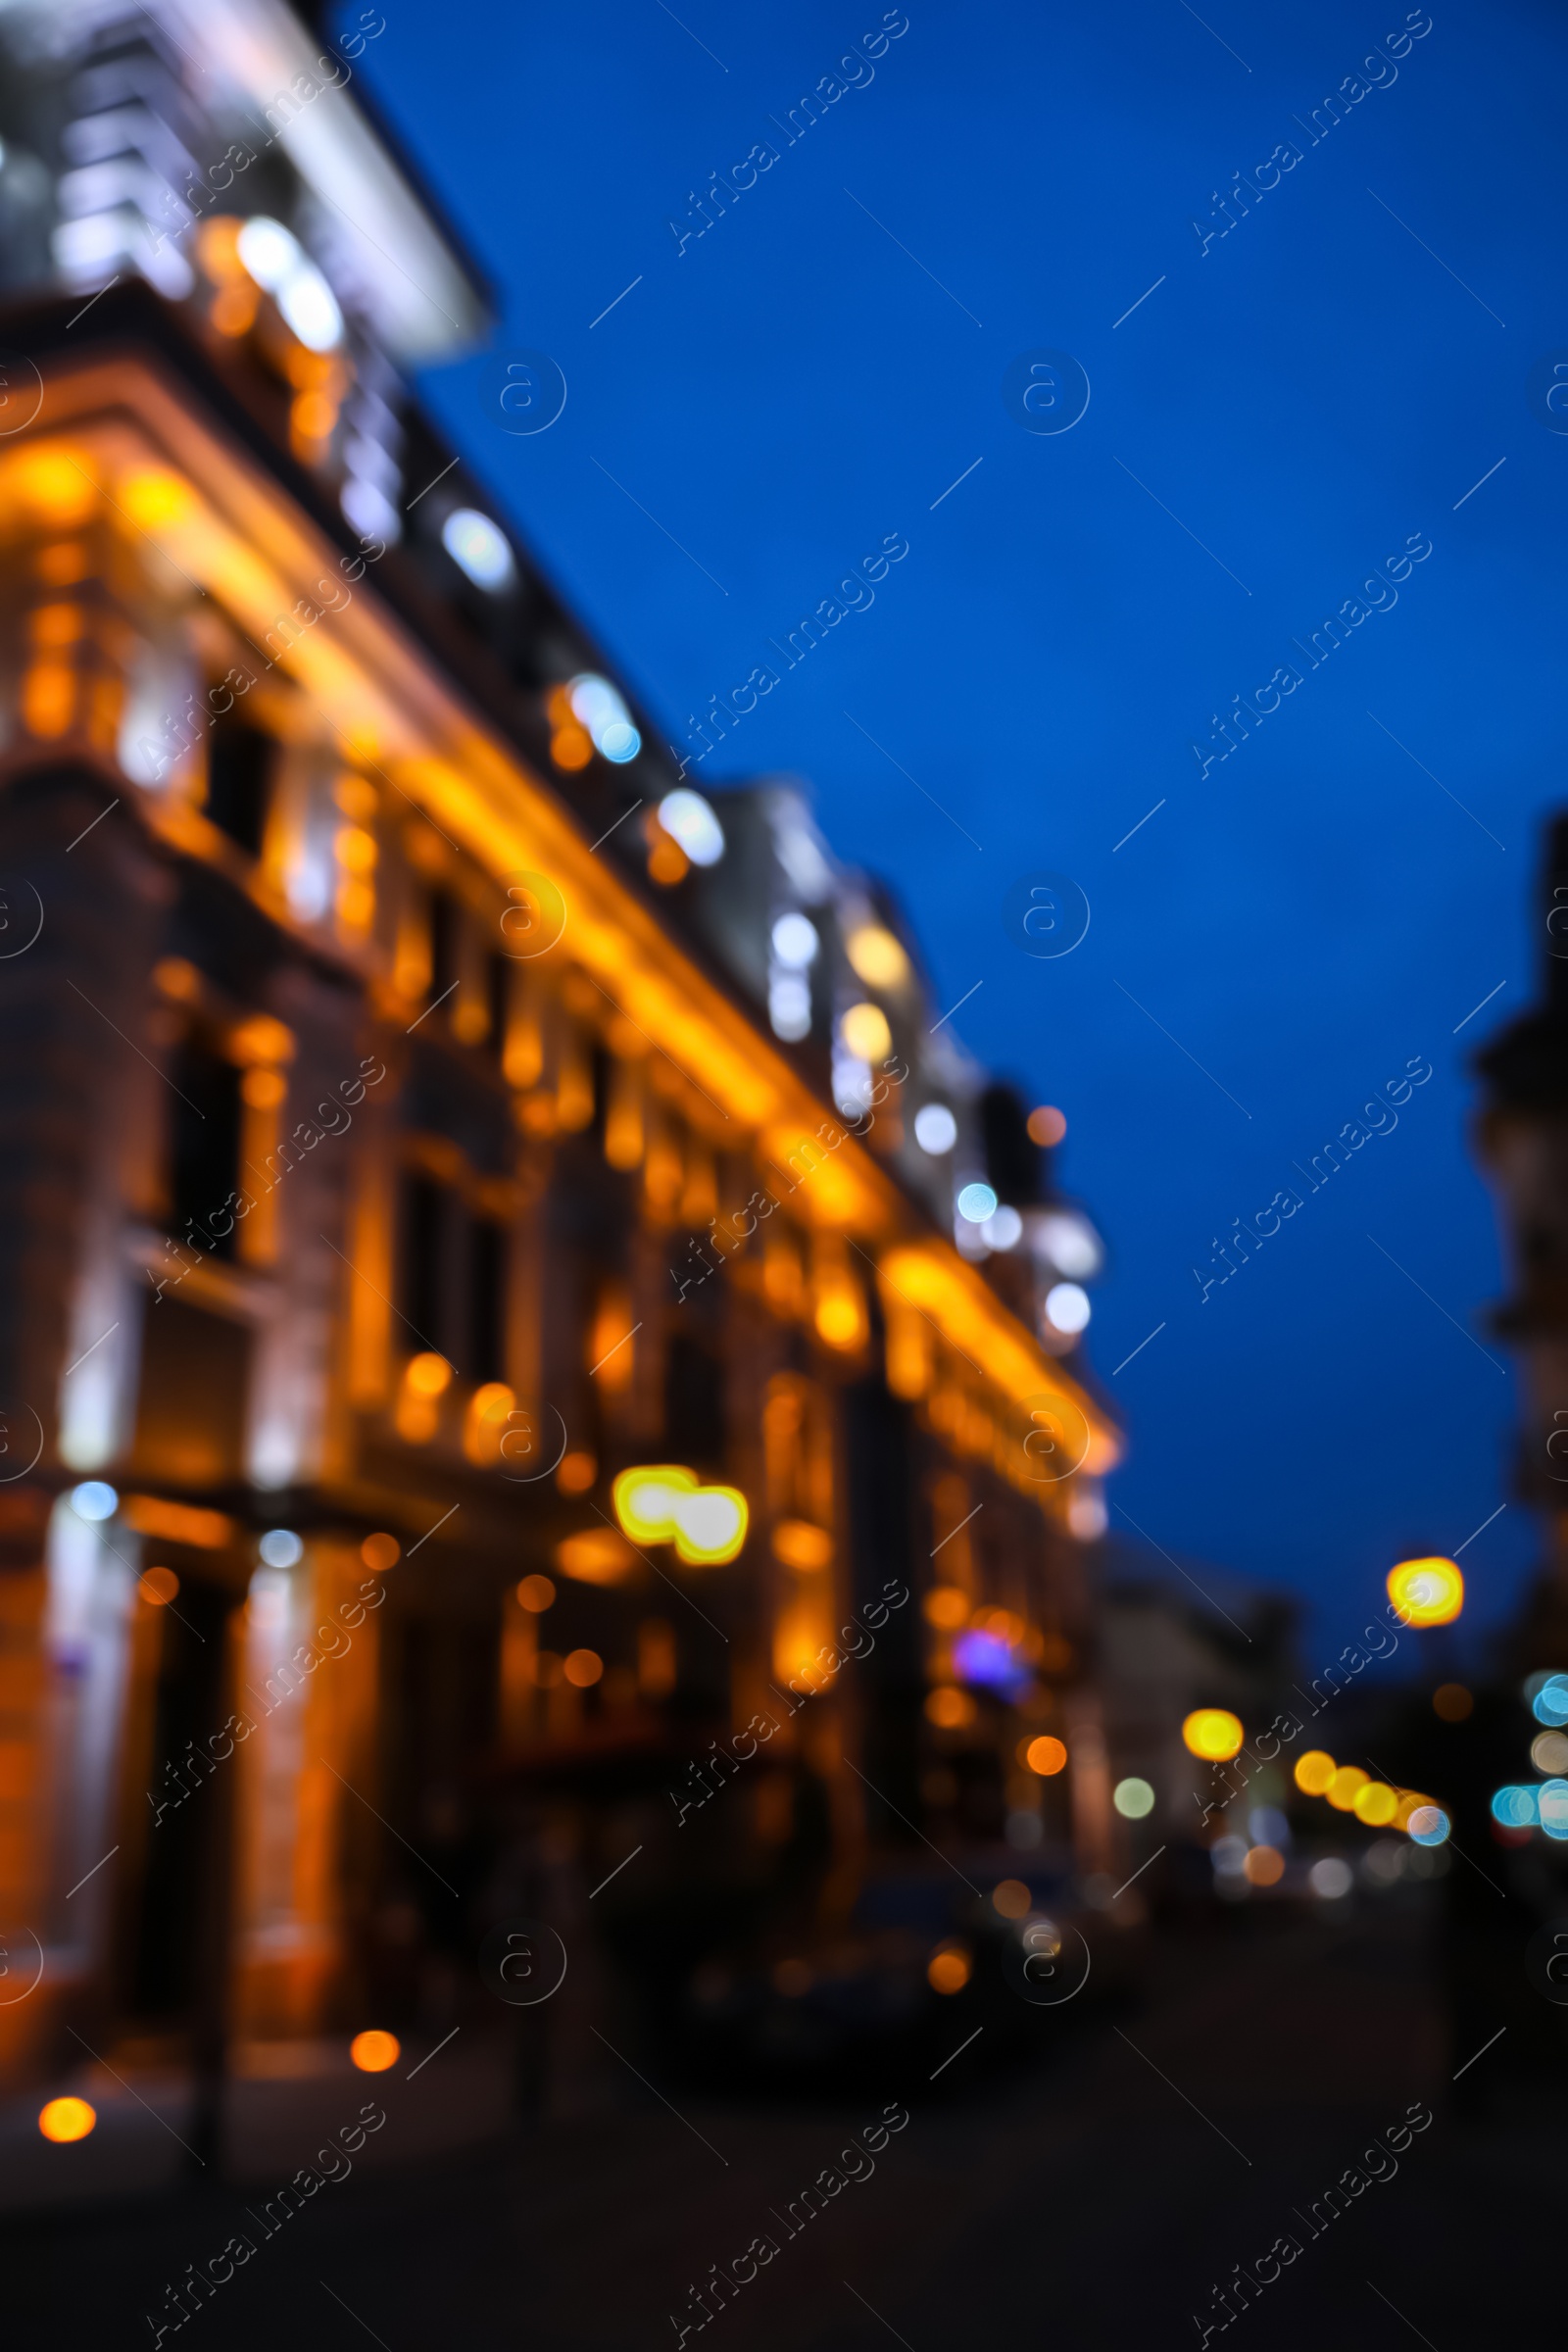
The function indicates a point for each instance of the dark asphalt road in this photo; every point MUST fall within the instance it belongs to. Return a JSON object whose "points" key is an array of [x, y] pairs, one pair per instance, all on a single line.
{"points": [[1091, 2200]]}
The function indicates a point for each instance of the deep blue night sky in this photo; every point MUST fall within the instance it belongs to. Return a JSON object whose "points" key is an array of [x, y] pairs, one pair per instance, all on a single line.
{"points": [[1305, 395]]}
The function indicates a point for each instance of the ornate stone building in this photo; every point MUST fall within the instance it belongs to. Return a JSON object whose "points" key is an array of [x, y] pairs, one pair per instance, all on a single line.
{"points": [[423, 1109]]}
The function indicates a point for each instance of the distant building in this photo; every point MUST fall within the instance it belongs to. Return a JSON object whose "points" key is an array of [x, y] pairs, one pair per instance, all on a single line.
{"points": [[422, 1107], [1522, 1141], [1168, 1647]]}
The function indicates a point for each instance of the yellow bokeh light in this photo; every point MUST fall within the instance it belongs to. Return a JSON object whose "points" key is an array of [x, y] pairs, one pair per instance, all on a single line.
{"points": [[949, 1709], [663, 1503], [373, 2052], [866, 1033], [947, 1607], [1427, 1592], [1213, 1733], [710, 1525], [153, 497], [1346, 1786], [644, 1501], [877, 958], [839, 1320], [427, 1375], [66, 2120], [55, 483], [1375, 1804], [1314, 1771]]}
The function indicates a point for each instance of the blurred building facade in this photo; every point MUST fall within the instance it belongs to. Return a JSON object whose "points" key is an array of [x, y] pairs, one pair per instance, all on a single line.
{"points": [[1522, 1143], [424, 1108]]}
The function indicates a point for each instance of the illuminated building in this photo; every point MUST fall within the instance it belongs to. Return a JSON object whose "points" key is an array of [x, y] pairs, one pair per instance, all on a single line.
{"points": [[423, 1109]]}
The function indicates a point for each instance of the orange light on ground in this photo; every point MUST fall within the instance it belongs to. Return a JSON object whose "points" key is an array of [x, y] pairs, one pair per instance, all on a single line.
{"points": [[1347, 1783], [1452, 1702], [583, 1668], [1046, 1126], [373, 2051], [1264, 1866], [536, 1594], [157, 1587], [1314, 1771], [1427, 1592], [949, 1709], [380, 1551], [66, 2120], [1212, 1733], [1375, 1804], [1011, 1898], [947, 1607], [1046, 1755], [948, 1968]]}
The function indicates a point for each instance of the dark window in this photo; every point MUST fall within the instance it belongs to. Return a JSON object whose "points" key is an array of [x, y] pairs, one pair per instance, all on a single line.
{"points": [[423, 1285], [1015, 1164], [487, 1263], [446, 918], [172, 1926], [240, 761], [192, 1397], [694, 1402], [498, 977], [204, 1155], [600, 1066]]}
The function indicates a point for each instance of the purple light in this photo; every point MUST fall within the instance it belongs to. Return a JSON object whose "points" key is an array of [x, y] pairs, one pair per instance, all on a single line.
{"points": [[989, 1662]]}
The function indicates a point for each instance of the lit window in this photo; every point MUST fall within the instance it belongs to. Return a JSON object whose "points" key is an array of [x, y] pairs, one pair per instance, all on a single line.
{"points": [[689, 820], [789, 1007], [479, 549], [795, 941], [597, 708], [1071, 1243], [1003, 1229], [936, 1130], [275, 260], [1067, 1309]]}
